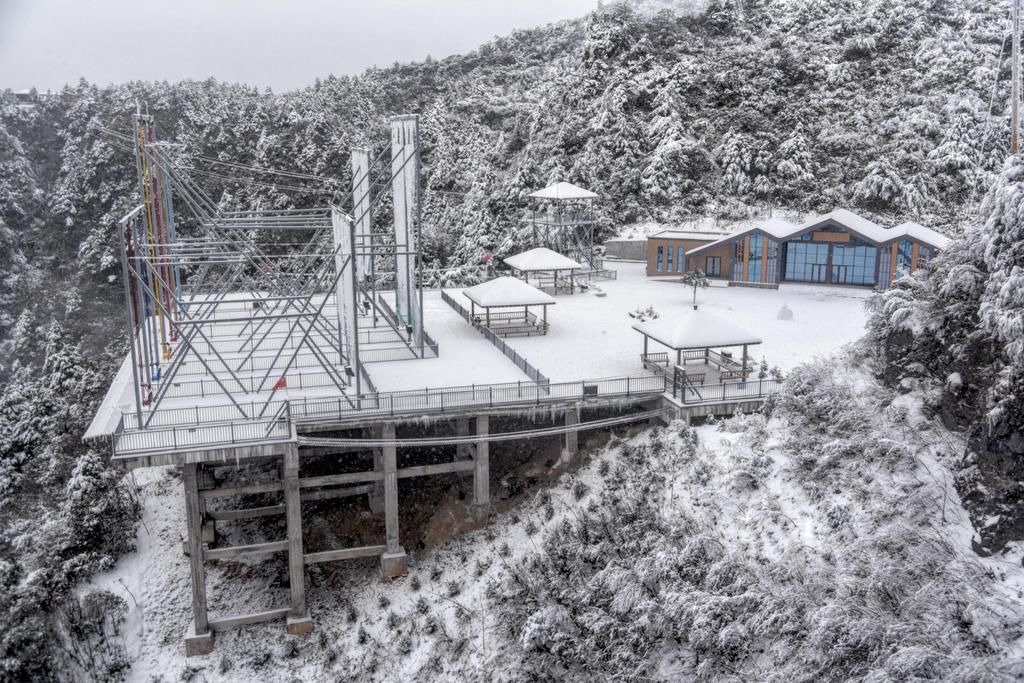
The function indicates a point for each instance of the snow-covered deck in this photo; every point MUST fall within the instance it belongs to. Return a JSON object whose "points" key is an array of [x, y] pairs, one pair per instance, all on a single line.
{"points": [[591, 337]]}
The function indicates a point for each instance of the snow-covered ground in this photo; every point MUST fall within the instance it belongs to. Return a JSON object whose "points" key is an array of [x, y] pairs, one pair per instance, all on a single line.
{"points": [[592, 336], [465, 356]]}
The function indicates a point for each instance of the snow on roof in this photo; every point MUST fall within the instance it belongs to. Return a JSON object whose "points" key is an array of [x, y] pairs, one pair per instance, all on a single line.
{"points": [[848, 219], [696, 330], [870, 230], [506, 291], [541, 258], [775, 227], [563, 191], [923, 234], [678, 234]]}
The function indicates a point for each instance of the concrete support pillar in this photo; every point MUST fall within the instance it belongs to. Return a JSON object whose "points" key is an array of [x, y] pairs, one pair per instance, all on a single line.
{"points": [[572, 439], [463, 451], [376, 495], [482, 464], [205, 482], [392, 562], [199, 639], [298, 618]]}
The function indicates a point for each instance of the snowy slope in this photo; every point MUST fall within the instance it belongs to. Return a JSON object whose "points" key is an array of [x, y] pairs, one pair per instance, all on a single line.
{"points": [[845, 528]]}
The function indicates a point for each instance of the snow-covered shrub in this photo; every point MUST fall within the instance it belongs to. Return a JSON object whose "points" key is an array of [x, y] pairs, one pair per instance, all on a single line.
{"points": [[813, 398], [733, 562], [644, 314]]}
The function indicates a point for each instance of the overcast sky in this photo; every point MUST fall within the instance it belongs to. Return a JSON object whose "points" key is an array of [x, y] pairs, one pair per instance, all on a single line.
{"points": [[283, 44]]}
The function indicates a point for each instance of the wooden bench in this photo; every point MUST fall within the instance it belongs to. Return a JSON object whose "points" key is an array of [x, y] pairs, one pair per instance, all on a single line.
{"points": [[655, 359]]}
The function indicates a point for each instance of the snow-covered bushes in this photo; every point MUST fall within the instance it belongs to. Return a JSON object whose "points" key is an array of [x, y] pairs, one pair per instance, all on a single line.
{"points": [[65, 513], [965, 324], [815, 546]]}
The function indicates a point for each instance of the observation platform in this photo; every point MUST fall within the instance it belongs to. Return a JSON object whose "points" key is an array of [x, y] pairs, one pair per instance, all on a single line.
{"points": [[589, 357]]}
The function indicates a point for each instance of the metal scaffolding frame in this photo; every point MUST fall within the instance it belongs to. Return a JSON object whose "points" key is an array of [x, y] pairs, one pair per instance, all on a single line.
{"points": [[239, 303]]}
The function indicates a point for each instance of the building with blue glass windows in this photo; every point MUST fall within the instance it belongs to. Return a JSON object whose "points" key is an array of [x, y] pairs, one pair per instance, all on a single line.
{"points": [[838, 248]]}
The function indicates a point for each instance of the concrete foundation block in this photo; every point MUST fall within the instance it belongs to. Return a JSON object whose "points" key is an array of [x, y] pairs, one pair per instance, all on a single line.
{"points": [[300, 626], [481, 513], [209, 534], [393, 565], [198, 645]]}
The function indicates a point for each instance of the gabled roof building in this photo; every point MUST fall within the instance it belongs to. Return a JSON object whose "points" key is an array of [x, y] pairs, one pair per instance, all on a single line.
{"points": [[838, 248]]}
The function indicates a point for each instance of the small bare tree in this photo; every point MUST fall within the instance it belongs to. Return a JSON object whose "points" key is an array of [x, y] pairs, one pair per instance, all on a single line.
{"points": [[696, 278]]}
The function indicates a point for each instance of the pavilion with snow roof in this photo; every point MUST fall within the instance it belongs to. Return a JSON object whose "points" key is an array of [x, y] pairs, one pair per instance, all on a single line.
{"points": [[698, 337], [512, 298], [553, 272]]}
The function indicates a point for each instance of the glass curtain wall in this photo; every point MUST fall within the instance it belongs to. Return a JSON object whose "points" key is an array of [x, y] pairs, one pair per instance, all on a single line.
{"points": [[853, 265], [756, 258], [806, 262]]}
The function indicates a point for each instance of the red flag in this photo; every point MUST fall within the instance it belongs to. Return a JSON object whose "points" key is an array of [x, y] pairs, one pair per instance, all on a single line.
{"points": [[281, 384]]}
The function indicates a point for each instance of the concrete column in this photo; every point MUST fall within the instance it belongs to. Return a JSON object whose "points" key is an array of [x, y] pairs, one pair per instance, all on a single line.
{"points": [[463, 451], [298, 618], [392, 562], [199, 638], [376, 494], [572, 439], [205, 482], [482, 464]]}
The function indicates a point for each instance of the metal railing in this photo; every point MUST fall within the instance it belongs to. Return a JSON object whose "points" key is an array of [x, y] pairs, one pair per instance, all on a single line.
{"points": [[180, 428], [690, 393], [476, 396], [510, 353], [275, 427], [262, 361], [210, 387]]}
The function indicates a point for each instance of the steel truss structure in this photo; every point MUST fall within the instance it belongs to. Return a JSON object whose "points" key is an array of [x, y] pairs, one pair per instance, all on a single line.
{"points": [[266, 301], [567, 226]]}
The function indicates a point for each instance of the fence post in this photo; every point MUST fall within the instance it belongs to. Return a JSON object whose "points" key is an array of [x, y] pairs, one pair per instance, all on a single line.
{"points": [[627, 385], [231, 426]]}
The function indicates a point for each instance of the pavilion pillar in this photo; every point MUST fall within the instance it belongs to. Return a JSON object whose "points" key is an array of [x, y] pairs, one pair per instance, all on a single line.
{"points": [[744, 362], [482, 467], [392, 562], [298, 621], [199, 638]]}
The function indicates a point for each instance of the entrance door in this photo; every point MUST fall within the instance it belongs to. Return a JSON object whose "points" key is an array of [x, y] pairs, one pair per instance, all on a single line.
{"points": [[819, 272], [840, 275]]}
